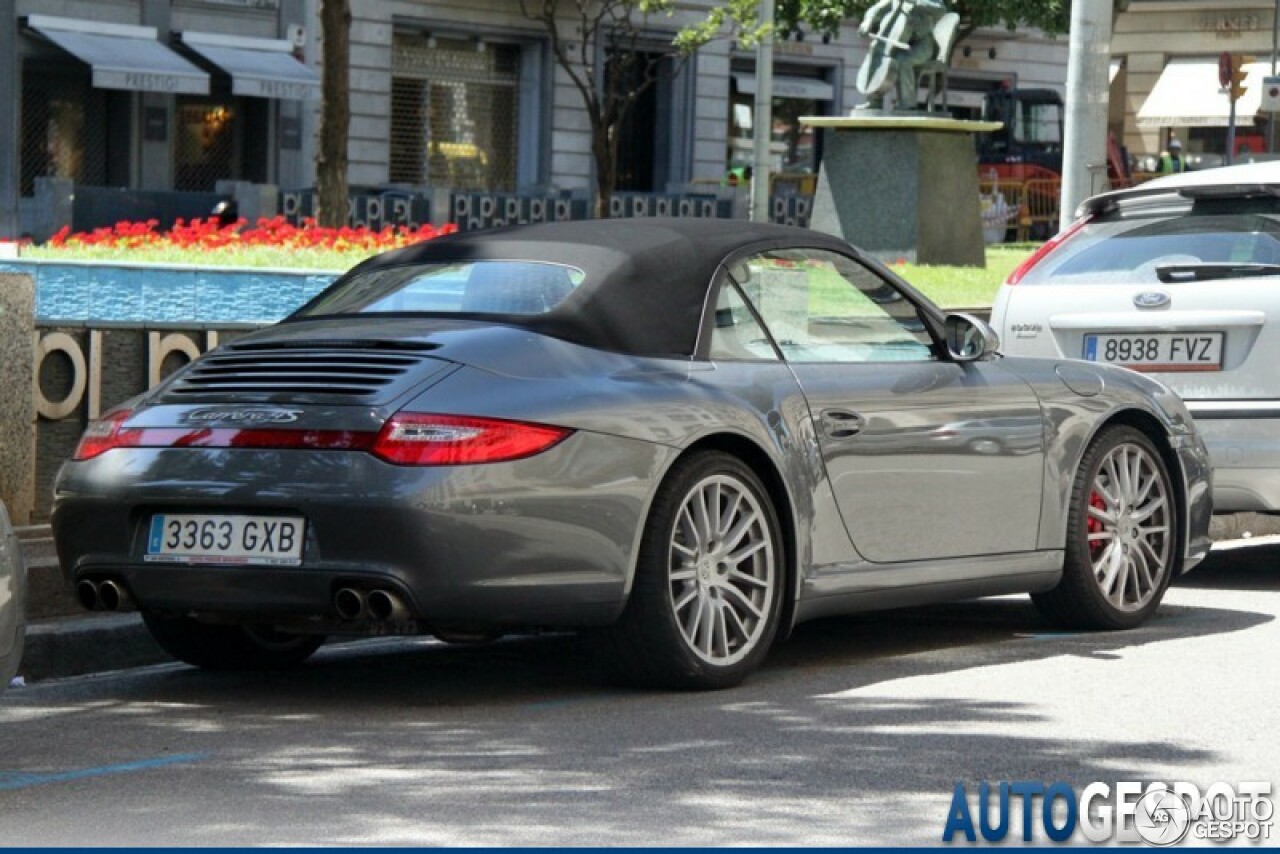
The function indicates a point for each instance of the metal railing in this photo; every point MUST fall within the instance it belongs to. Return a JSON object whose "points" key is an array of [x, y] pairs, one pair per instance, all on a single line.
{"points": [[1020, 210]]}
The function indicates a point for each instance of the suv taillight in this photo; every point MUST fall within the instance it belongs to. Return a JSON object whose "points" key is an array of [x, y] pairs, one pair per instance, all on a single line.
{"points": [[1043, 252]]}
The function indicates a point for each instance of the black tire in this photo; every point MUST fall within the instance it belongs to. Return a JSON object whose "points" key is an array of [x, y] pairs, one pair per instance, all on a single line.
{"points": [[648, 646], [1091, 595], [218, 647]]}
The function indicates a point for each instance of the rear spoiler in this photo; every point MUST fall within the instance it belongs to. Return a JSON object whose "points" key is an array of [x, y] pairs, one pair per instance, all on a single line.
{"points": [[1109, 202]]}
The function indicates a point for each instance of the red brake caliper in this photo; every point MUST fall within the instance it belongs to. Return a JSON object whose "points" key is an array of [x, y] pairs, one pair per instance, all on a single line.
{"points": [[1094, 526]]}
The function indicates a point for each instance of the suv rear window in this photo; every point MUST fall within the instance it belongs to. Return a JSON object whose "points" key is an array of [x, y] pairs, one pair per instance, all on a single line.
{"points": [[474, 287], [1128, 249]]}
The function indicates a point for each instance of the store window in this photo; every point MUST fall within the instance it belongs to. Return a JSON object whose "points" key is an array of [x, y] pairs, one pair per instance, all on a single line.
{"points": [[646, 137], [454, 113], [70, 129], [637, 143], [219, 138], [798, 91], [204, 144]]}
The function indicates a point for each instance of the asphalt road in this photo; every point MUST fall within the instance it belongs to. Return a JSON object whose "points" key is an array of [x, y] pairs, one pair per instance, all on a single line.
{"points": [[855, 732]]}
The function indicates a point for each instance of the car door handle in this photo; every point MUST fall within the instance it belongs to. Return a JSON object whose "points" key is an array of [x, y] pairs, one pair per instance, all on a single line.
{"points": [[841, 423]]}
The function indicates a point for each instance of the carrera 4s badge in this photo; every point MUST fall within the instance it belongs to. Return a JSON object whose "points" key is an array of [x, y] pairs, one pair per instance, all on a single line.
{"points": [[240, 415]]}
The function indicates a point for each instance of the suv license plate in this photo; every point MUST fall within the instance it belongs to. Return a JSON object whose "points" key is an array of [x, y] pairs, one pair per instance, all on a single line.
{"points": [[1157, 351], [220, 539]]}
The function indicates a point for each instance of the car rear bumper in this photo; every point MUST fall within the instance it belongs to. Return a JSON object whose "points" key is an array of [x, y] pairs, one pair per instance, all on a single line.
{"points": [[1246, 462], [1246, 490], [544, 541]]}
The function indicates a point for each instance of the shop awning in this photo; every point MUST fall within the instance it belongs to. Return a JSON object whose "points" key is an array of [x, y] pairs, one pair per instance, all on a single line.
{"points": [[261, 68], [122, 56], [785, 86], [1187, 94]]}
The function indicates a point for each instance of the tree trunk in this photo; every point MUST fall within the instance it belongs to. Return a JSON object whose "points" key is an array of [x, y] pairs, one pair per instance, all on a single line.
{"points": [[335, 118], [605, 153]]}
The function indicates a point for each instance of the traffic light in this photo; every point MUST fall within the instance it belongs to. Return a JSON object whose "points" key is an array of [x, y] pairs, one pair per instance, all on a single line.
{"points": [[1236, 85]]}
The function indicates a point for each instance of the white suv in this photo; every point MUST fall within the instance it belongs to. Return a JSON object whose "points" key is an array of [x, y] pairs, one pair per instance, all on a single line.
{"points": [[1179, 278]]}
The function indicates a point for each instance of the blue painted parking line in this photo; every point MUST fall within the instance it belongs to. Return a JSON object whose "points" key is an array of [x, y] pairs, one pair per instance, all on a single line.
{"points": [[10, 780]]}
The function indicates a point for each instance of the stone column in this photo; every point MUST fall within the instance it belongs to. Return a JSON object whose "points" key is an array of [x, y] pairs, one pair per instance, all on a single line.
{"points": [[17, 403], [902, 186]]}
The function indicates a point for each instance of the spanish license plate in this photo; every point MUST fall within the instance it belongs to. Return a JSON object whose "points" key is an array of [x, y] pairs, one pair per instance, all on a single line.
{"points": [[225, 539], [1157, 351]]}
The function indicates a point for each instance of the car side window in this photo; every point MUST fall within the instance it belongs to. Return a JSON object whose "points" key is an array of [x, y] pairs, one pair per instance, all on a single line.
{"points": [[820, 306], [735, 332]]}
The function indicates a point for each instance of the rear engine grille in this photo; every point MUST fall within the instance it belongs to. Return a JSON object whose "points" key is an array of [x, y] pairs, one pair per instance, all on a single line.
{"points": [[333, 370]]}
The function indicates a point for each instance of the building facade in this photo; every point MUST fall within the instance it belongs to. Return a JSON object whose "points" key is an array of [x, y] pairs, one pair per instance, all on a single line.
{"points": [[478, 74], [1165, 56], [445, 94], [153, 95]]}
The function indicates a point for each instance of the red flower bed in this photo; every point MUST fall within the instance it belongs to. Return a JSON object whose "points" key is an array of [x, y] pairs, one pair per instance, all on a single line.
{"points": [[275, 232]]}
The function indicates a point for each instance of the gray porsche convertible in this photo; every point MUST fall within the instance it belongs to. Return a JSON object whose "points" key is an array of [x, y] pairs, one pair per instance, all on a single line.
{"points": [[684, 437]]}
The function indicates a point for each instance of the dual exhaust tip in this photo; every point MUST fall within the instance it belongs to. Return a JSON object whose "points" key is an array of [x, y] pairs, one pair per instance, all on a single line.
{"points": [[103, 595], [378, 605]]}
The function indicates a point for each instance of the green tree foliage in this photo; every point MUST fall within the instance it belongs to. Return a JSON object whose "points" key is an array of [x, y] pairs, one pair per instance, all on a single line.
{"points": [[825, 16]]}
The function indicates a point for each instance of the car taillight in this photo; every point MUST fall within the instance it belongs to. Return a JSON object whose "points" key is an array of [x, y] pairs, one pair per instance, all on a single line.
{"points": [[415, 439], [104, 434], [111, 432], [407, 439], [1051, 244]]}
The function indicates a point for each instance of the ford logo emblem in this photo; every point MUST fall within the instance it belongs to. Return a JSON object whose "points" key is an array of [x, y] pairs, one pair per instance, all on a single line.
{"points": [[1152, 299]]}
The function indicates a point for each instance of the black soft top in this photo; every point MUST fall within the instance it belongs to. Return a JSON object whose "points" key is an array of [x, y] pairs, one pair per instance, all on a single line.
{"points": [[646, 279]]}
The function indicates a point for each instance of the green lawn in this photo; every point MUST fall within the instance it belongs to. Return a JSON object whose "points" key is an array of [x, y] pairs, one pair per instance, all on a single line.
{"points": [[966, 287]]}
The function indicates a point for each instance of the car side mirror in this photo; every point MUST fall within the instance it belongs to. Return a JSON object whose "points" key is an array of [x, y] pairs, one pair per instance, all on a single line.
{"points": [[970, 339]]}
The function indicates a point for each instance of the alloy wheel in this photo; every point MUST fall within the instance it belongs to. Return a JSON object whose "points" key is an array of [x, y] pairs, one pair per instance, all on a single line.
{"points": [[1129, 528], [722, 569]]}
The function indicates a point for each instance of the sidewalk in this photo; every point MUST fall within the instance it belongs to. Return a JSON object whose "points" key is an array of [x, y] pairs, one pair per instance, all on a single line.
{"points": [[64, 640]]}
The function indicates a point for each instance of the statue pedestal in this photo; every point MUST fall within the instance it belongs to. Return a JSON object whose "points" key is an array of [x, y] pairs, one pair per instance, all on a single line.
{"points": [[901, 186]]}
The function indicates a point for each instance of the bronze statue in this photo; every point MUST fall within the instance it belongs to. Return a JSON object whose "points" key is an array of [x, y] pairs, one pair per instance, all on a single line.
{"points": [[907, 36]]}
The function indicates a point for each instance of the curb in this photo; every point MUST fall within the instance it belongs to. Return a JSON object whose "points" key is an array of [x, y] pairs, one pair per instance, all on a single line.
{"points": [[62, 639], [75, 646]]}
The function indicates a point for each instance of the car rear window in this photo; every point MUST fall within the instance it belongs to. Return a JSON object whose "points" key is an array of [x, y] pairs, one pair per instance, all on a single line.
{"points": [[1128, 249], [474, 287]]}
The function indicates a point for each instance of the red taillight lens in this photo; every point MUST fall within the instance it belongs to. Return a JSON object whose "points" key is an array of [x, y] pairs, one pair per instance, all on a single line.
{"points": [[407, 439], [414, 439], [104, 434], [111, 432], [1051, 244]]}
